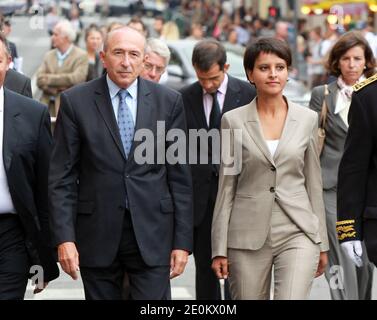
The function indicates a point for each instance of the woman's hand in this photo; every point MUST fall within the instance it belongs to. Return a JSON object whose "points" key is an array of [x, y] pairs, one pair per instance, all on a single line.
{"points": [[220, 267], [323, 260]]}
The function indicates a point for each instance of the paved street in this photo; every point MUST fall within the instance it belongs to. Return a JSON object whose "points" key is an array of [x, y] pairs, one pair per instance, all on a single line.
{"points": [[182, 288]]}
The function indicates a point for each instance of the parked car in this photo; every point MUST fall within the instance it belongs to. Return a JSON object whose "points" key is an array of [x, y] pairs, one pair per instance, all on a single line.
{"points": [[181, 72]]}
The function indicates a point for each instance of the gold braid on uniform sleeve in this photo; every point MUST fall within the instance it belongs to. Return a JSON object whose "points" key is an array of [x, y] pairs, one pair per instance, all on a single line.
{"points": [[346, 230]]}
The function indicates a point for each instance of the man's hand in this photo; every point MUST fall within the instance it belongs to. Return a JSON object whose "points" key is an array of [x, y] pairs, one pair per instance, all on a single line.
{"points": [[178, 261], [39, 288], [353, 250], [42, 80], [323, 260], [220, 267], [69, 258]]}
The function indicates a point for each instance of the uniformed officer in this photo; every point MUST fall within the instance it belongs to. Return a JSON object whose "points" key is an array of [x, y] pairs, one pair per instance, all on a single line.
{"points": [[357, 178]]}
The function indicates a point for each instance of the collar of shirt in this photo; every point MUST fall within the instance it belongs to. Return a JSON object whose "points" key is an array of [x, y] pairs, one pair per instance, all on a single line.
{"points": [[222, 88], [114, 89], [62, 56], [207, 98], [6, 203], [343, 101], [131, 99]]}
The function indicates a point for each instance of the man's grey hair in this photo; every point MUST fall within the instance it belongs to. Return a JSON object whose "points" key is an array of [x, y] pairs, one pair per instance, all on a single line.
{"points": [[67, 29], [159, 47]]}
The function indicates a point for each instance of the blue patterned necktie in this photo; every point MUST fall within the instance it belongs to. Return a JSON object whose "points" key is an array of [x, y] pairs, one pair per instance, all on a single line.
{"points": [[125, 122]]}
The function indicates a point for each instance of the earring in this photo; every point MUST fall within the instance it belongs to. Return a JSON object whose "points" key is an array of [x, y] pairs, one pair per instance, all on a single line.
{"points": [[365, 67]]}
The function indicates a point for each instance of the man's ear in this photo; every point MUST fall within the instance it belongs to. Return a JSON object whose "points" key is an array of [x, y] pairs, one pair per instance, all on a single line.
{"points": [[9, 58], [226, 67], [102, 55]]}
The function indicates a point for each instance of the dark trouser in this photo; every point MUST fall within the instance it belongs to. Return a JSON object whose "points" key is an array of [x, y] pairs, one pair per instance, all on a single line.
{"points": [[14, 260], [145, 282], [346, 281], [207, 286]]}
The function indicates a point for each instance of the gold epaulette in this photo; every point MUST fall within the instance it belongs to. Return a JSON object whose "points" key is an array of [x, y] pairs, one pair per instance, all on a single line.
{"points": [[362, 84], [346, 229]]}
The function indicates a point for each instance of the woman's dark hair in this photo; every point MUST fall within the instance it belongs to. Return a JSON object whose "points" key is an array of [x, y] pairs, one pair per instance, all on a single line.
{"points": [[90, 29], [266, 45], [345, 42]]}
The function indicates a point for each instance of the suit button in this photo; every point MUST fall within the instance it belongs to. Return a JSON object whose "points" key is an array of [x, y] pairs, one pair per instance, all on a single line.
{"points": [[272, 189], [273, 168], [127, 176]]}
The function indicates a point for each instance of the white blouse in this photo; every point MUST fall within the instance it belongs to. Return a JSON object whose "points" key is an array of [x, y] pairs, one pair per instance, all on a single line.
{"points": [[272, 145]]}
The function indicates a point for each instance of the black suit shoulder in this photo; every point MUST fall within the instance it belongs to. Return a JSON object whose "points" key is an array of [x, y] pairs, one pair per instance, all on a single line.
{"points": [[367, 93], [233, 83], [18, 82], [190, 89], [159, 89], [243, 85], [27, 105]]}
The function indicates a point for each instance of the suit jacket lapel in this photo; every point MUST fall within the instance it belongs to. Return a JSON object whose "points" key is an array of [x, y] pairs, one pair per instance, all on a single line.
{"points": [[254, 129], [232, 96], [10, 137], [104, 106], [331, 104], [288, 129], [198, 107]]}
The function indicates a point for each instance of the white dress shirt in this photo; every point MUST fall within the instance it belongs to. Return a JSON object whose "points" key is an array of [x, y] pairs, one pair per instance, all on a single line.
{"points": [[208, 100], [6, 203], [131, 98]]}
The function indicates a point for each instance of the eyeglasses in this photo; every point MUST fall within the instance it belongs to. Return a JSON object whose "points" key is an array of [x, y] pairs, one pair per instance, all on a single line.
{"points": [[150, 67]]}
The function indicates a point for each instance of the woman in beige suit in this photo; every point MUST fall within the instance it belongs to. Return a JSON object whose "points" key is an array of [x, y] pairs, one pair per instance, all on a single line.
{"points": [[271, 213]]}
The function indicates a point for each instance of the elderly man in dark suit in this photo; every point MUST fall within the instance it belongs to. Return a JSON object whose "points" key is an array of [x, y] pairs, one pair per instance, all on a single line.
{"points": [[205, 101], [25, 143], [112, 212]]}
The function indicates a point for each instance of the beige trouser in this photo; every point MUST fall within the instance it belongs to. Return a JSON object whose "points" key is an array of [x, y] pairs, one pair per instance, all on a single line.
{"points": [[292, 254]]}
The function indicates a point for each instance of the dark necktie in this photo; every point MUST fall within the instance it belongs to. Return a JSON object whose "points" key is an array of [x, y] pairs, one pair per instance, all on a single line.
{"points": [[125, 122], [215, 115]]}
